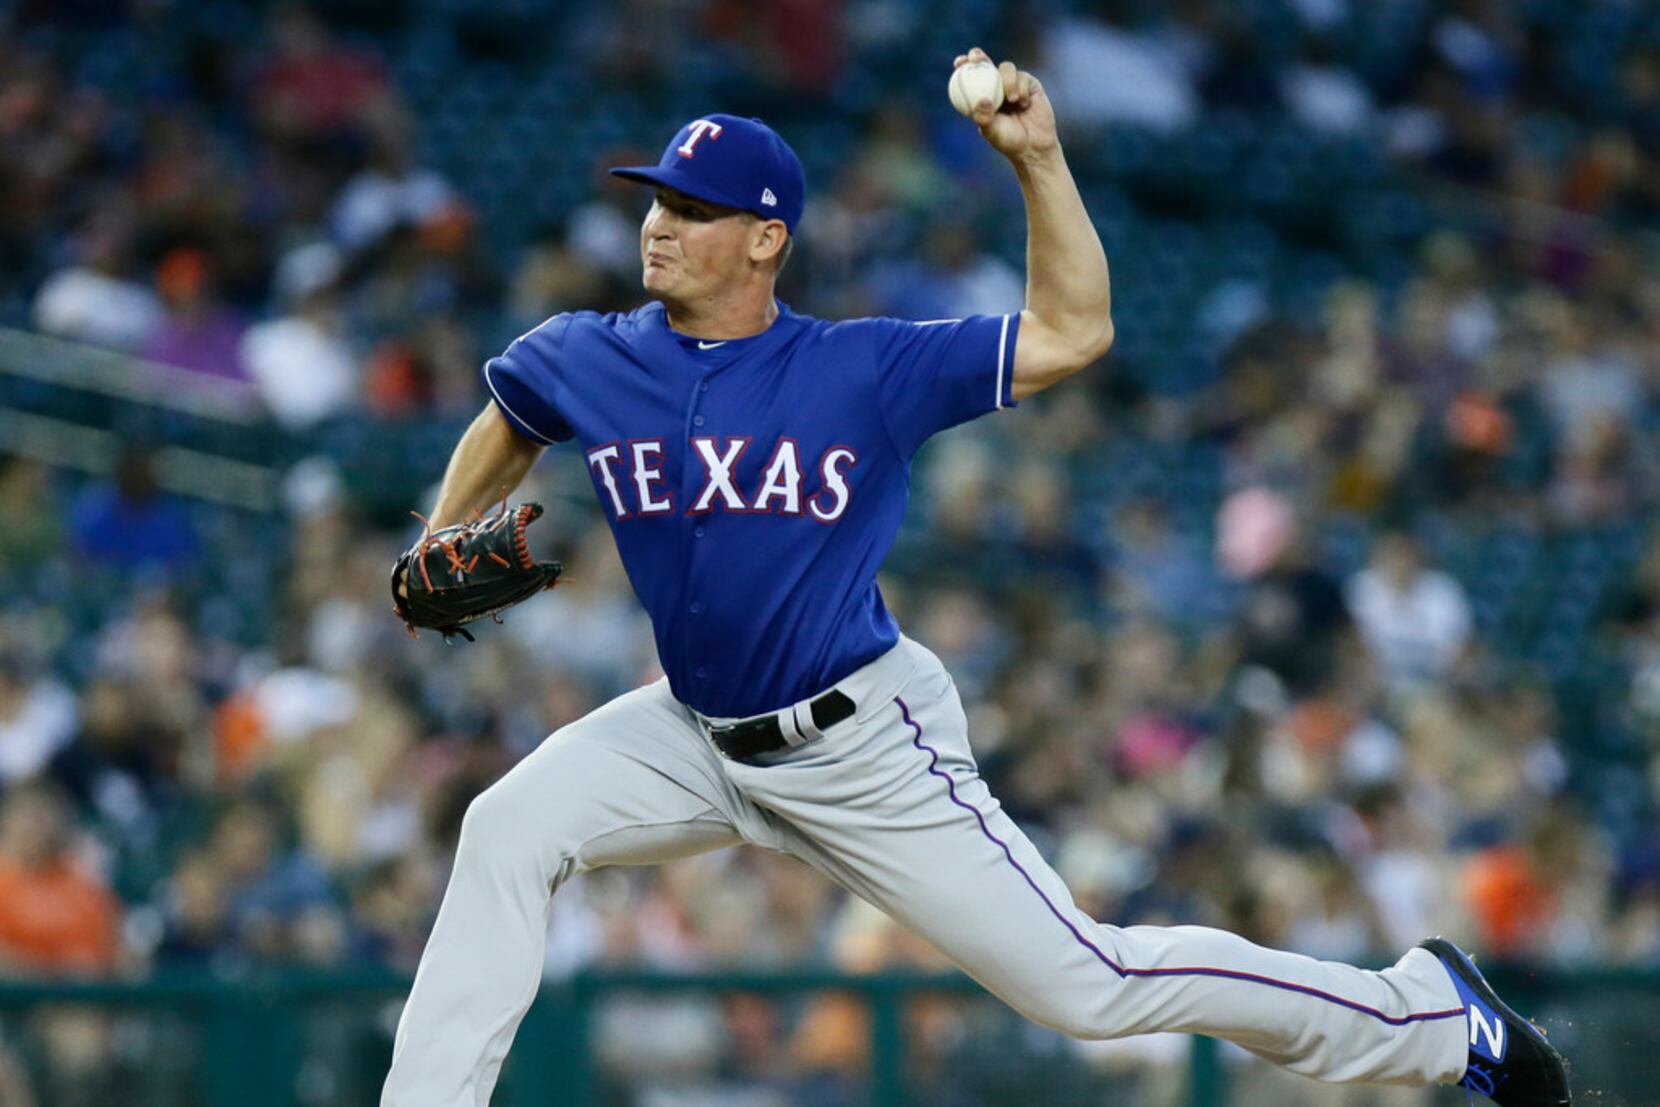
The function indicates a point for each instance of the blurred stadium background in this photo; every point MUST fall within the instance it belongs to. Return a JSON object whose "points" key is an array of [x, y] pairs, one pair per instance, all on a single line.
{"points": [[1326, 610]]}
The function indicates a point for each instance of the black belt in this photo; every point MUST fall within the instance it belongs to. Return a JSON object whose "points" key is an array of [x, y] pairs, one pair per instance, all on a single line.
{"points": [[742, 740]]}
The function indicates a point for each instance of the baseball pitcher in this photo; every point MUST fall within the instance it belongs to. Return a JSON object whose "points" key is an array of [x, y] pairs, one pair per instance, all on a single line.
{"points": [[753, 464]]}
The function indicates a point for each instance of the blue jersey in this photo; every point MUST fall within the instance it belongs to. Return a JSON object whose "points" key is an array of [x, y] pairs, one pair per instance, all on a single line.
{"points": [[754, 486]]}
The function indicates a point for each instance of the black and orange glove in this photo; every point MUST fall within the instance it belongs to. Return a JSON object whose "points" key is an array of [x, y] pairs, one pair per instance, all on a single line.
{"points": [[451, 577]]}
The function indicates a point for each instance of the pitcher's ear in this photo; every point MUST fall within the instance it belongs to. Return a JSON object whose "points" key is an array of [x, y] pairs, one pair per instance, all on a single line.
{"points": [[769, 240]]}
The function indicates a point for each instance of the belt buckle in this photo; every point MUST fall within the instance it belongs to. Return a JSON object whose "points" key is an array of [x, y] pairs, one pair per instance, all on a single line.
{"points": [[752, 737], [717, 732]]}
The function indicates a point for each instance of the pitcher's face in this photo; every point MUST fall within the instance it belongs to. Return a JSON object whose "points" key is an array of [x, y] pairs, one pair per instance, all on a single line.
{"points": [[691, 249]]}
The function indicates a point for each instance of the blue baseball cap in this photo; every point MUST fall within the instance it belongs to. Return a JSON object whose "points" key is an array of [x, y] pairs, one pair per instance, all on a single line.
{"points": [[727, 159]]}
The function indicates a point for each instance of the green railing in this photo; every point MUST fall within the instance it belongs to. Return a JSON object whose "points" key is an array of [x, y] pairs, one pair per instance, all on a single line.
{"points": [[251, 1037], [885, 997], [251, 1033]]}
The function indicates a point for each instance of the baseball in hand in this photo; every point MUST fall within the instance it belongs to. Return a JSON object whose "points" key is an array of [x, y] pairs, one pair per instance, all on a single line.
{"points": [[973, 82]]}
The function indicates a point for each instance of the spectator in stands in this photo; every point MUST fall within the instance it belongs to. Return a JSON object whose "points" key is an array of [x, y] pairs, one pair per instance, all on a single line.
{"points": [[123, 765], [311, 88], [952, 278], [392, 909], [34, 531], [1116, 70], [1414, 619], [160, 657], [1326, 96], [792, 45], [302, 361], [1291, 618], [56, 917], [198, 331], [1540, 896], [196, 929], [1154, 567], [593, 629], [603, 232], [1400, 856], [38, 716], [1591, 384], [278, 902], [1597, 480], [553, 276], [391, 191], [1338, 917], [896, 156], [130, 523], [95, 299], [53, 137]]}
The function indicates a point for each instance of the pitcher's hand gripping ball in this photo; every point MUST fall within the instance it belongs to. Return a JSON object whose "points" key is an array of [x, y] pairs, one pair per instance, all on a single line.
{"points": [[460, 574], [974, 83]]}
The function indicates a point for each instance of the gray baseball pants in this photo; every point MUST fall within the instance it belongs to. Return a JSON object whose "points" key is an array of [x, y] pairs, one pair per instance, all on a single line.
{"points": [[888, 804]]}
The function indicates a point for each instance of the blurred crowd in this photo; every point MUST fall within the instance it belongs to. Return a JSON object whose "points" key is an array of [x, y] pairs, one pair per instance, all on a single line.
{"points": [[1326, 609]]}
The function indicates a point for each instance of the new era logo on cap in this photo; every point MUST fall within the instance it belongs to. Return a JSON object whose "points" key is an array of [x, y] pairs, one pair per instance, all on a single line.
{"points": [[727, 159]]}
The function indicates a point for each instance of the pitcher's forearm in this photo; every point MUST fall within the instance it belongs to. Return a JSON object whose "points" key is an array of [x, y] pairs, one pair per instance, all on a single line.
{"points": [[1067, 282], [489, 461]]}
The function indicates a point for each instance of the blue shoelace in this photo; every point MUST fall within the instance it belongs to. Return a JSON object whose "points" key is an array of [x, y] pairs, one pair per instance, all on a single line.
{"points": [[1480, 1080]]}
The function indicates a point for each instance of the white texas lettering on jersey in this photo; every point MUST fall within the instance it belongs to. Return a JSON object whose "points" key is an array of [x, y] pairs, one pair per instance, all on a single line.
{"points": [[645, 475], [719, 470], [835, 484], [600, 460], [782, 489], [783, 479], [700, 128]]}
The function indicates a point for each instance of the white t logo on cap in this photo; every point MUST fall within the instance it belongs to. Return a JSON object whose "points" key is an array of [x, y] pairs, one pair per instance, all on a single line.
{"points": [[700, 128], [768, 198]]}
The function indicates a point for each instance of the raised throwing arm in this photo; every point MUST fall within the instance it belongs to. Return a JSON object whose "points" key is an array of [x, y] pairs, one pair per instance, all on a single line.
{"points": [[1067, 323]]}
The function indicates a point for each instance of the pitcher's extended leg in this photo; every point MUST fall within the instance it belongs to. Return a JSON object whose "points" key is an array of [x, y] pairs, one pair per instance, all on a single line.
{"points": [[631, 783], [926, 842]]}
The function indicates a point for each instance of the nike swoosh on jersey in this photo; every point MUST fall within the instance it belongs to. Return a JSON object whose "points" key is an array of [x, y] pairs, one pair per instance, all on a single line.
{"points": [[711, 345]]}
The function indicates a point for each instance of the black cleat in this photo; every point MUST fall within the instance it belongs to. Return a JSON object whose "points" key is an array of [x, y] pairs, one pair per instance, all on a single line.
{"points": [[1511, 1063]]}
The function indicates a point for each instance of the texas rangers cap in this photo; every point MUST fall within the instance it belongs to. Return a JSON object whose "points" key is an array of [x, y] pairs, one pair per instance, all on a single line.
{"points": [[730, 160]]}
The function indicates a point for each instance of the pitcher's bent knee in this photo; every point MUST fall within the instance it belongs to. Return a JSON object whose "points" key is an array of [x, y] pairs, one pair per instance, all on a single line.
{"points": [[486, 817], [1087, 1019], [513, 825], [1083, 1025], [498, 826]]}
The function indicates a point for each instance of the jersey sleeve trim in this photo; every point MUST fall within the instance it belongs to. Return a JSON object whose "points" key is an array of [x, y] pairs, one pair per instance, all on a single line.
{"points": [[1002, 348], [1007, 343], [512, 416]]}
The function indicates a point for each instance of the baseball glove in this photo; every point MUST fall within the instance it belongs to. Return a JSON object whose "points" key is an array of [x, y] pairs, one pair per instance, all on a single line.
{"points": [[453, 576]]}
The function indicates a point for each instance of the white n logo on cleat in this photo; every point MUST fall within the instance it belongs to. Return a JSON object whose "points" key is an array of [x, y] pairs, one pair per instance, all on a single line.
{"points": [[1493, 1031]]}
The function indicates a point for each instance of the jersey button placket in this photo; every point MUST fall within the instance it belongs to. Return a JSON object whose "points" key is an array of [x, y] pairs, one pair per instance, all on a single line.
{"points": [[695, 607]]}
